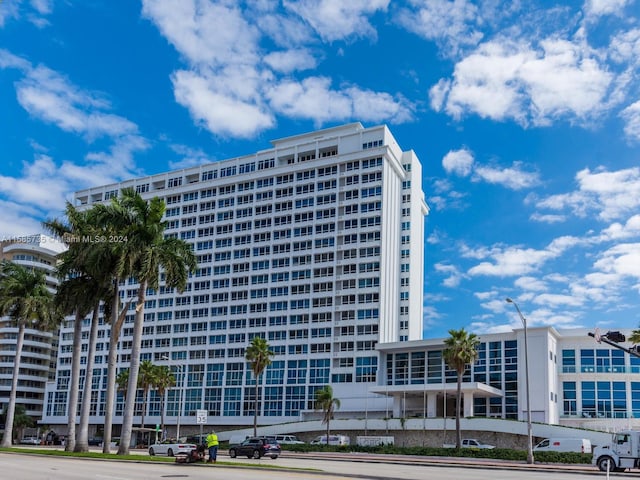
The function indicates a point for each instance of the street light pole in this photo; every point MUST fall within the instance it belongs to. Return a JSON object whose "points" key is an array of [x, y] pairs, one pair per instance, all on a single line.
{"points": [[180, 405], [180, 400], [526, 369]]}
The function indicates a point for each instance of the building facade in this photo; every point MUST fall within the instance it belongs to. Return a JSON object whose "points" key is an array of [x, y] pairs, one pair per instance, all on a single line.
{"points": [[315, 244], [40, 349], [575, 380]]}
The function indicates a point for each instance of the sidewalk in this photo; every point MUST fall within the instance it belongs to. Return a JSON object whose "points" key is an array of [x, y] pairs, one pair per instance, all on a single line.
{"points": [[444, 461]]}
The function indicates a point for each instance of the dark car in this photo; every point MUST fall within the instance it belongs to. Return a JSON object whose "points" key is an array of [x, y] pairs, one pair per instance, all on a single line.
{"points": [[254, 447], [95, 442]]}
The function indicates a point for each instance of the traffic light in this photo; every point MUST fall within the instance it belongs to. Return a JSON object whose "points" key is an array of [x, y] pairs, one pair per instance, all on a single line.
{"points": [[615, 337], [635, 350]]}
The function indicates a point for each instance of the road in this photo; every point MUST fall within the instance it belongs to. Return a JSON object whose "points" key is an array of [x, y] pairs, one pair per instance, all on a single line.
{"points": [[24, 467]]}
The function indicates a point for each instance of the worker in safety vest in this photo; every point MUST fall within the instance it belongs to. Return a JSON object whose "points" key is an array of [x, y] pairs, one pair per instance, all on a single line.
{"points": [[212, 445]]}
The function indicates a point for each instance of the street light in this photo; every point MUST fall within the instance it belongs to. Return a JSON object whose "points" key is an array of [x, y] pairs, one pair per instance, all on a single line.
{"points": [[180, 399], [526, 369]]}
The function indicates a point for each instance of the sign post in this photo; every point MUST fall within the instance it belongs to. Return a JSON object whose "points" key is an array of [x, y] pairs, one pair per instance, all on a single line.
{"points": [[201, 419]]}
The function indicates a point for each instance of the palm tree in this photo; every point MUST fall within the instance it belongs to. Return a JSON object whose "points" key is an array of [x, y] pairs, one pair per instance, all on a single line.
{"points": [[146, 380], [122, 382], [328, 404], [74, 294], [142, 252], [259, 357], [461, 350], [25, 299], [164, 379], [20, 420], [86, 280]]}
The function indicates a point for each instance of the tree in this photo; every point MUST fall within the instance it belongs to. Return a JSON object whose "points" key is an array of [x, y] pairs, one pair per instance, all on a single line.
{"points": [[122, 382], [461, 349], [26, 300], [164, 379], [146, 380], [142, 251], [86, 273], [259, 357], [328, 404], [20, 420]]}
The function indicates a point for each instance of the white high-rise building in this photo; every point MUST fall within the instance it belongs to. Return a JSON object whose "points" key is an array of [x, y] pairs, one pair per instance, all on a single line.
{"points": [[38, 359], [315, 244]]}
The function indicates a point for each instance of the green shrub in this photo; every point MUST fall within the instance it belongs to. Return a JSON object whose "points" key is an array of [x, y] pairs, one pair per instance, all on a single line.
{"points": [[496, 453]]}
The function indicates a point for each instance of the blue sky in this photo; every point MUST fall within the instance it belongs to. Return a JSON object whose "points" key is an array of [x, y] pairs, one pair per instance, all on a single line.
{"points": [[525, 115]]}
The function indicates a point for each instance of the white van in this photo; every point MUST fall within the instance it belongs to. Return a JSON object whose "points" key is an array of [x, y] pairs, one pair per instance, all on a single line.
{"points": [[579, 445], [333, 440]]}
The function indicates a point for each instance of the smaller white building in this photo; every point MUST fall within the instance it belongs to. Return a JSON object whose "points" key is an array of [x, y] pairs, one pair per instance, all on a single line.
{"points": [[39, 351], [574, 380]]}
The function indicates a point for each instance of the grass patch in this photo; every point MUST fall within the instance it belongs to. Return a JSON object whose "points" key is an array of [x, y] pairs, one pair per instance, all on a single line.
{"points": [[147, 458]]}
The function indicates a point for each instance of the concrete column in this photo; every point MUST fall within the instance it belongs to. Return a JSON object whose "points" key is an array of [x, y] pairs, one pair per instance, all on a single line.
{"points": [[432, 404], [468, 404]]}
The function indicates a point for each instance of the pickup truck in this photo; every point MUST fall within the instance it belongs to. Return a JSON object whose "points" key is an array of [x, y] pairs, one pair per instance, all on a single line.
{"points": [[469, 443]]}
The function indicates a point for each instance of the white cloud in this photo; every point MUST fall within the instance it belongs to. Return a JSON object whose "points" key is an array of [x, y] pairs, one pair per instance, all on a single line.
{"points": [[531, 284], [217, 111], [8, 10], [189, 157], [618, 231], [28, 189], [452, 24], [506, 79], [631, 115], [290, 60], [515, 261], [233, 89], [625, 47], [549, 218], [459, 162], [622, 259], [597, 8], [454, 276], [205, 32], [556, 300], [18, 219], [514, 178], [47, 95], [315, 99], [611, 194], [50, 97], [462, 163], [337, 19]]}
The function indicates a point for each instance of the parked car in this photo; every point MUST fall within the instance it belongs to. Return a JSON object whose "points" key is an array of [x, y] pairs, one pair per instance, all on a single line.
{"points": [[333, 440], [171, 448], [255, 447], [470, 443], [288, 440], [30, 440], [95, 442]]}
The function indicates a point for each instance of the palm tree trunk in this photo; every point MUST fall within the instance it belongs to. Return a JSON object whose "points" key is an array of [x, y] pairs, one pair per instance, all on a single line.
{"points": [[82, 442], [255, 412], [327, 431], [145, 399], [458, 402], [134, 368], [117, 318], [162, 395], [11, 406], [74, 387]]}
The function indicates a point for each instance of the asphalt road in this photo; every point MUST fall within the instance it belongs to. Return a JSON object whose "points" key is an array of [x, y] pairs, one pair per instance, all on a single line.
{"points": [[25, 467]]}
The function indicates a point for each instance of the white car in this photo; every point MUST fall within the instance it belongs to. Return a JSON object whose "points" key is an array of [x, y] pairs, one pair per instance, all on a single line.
{"points": [[171, 448], [30, 440]]}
